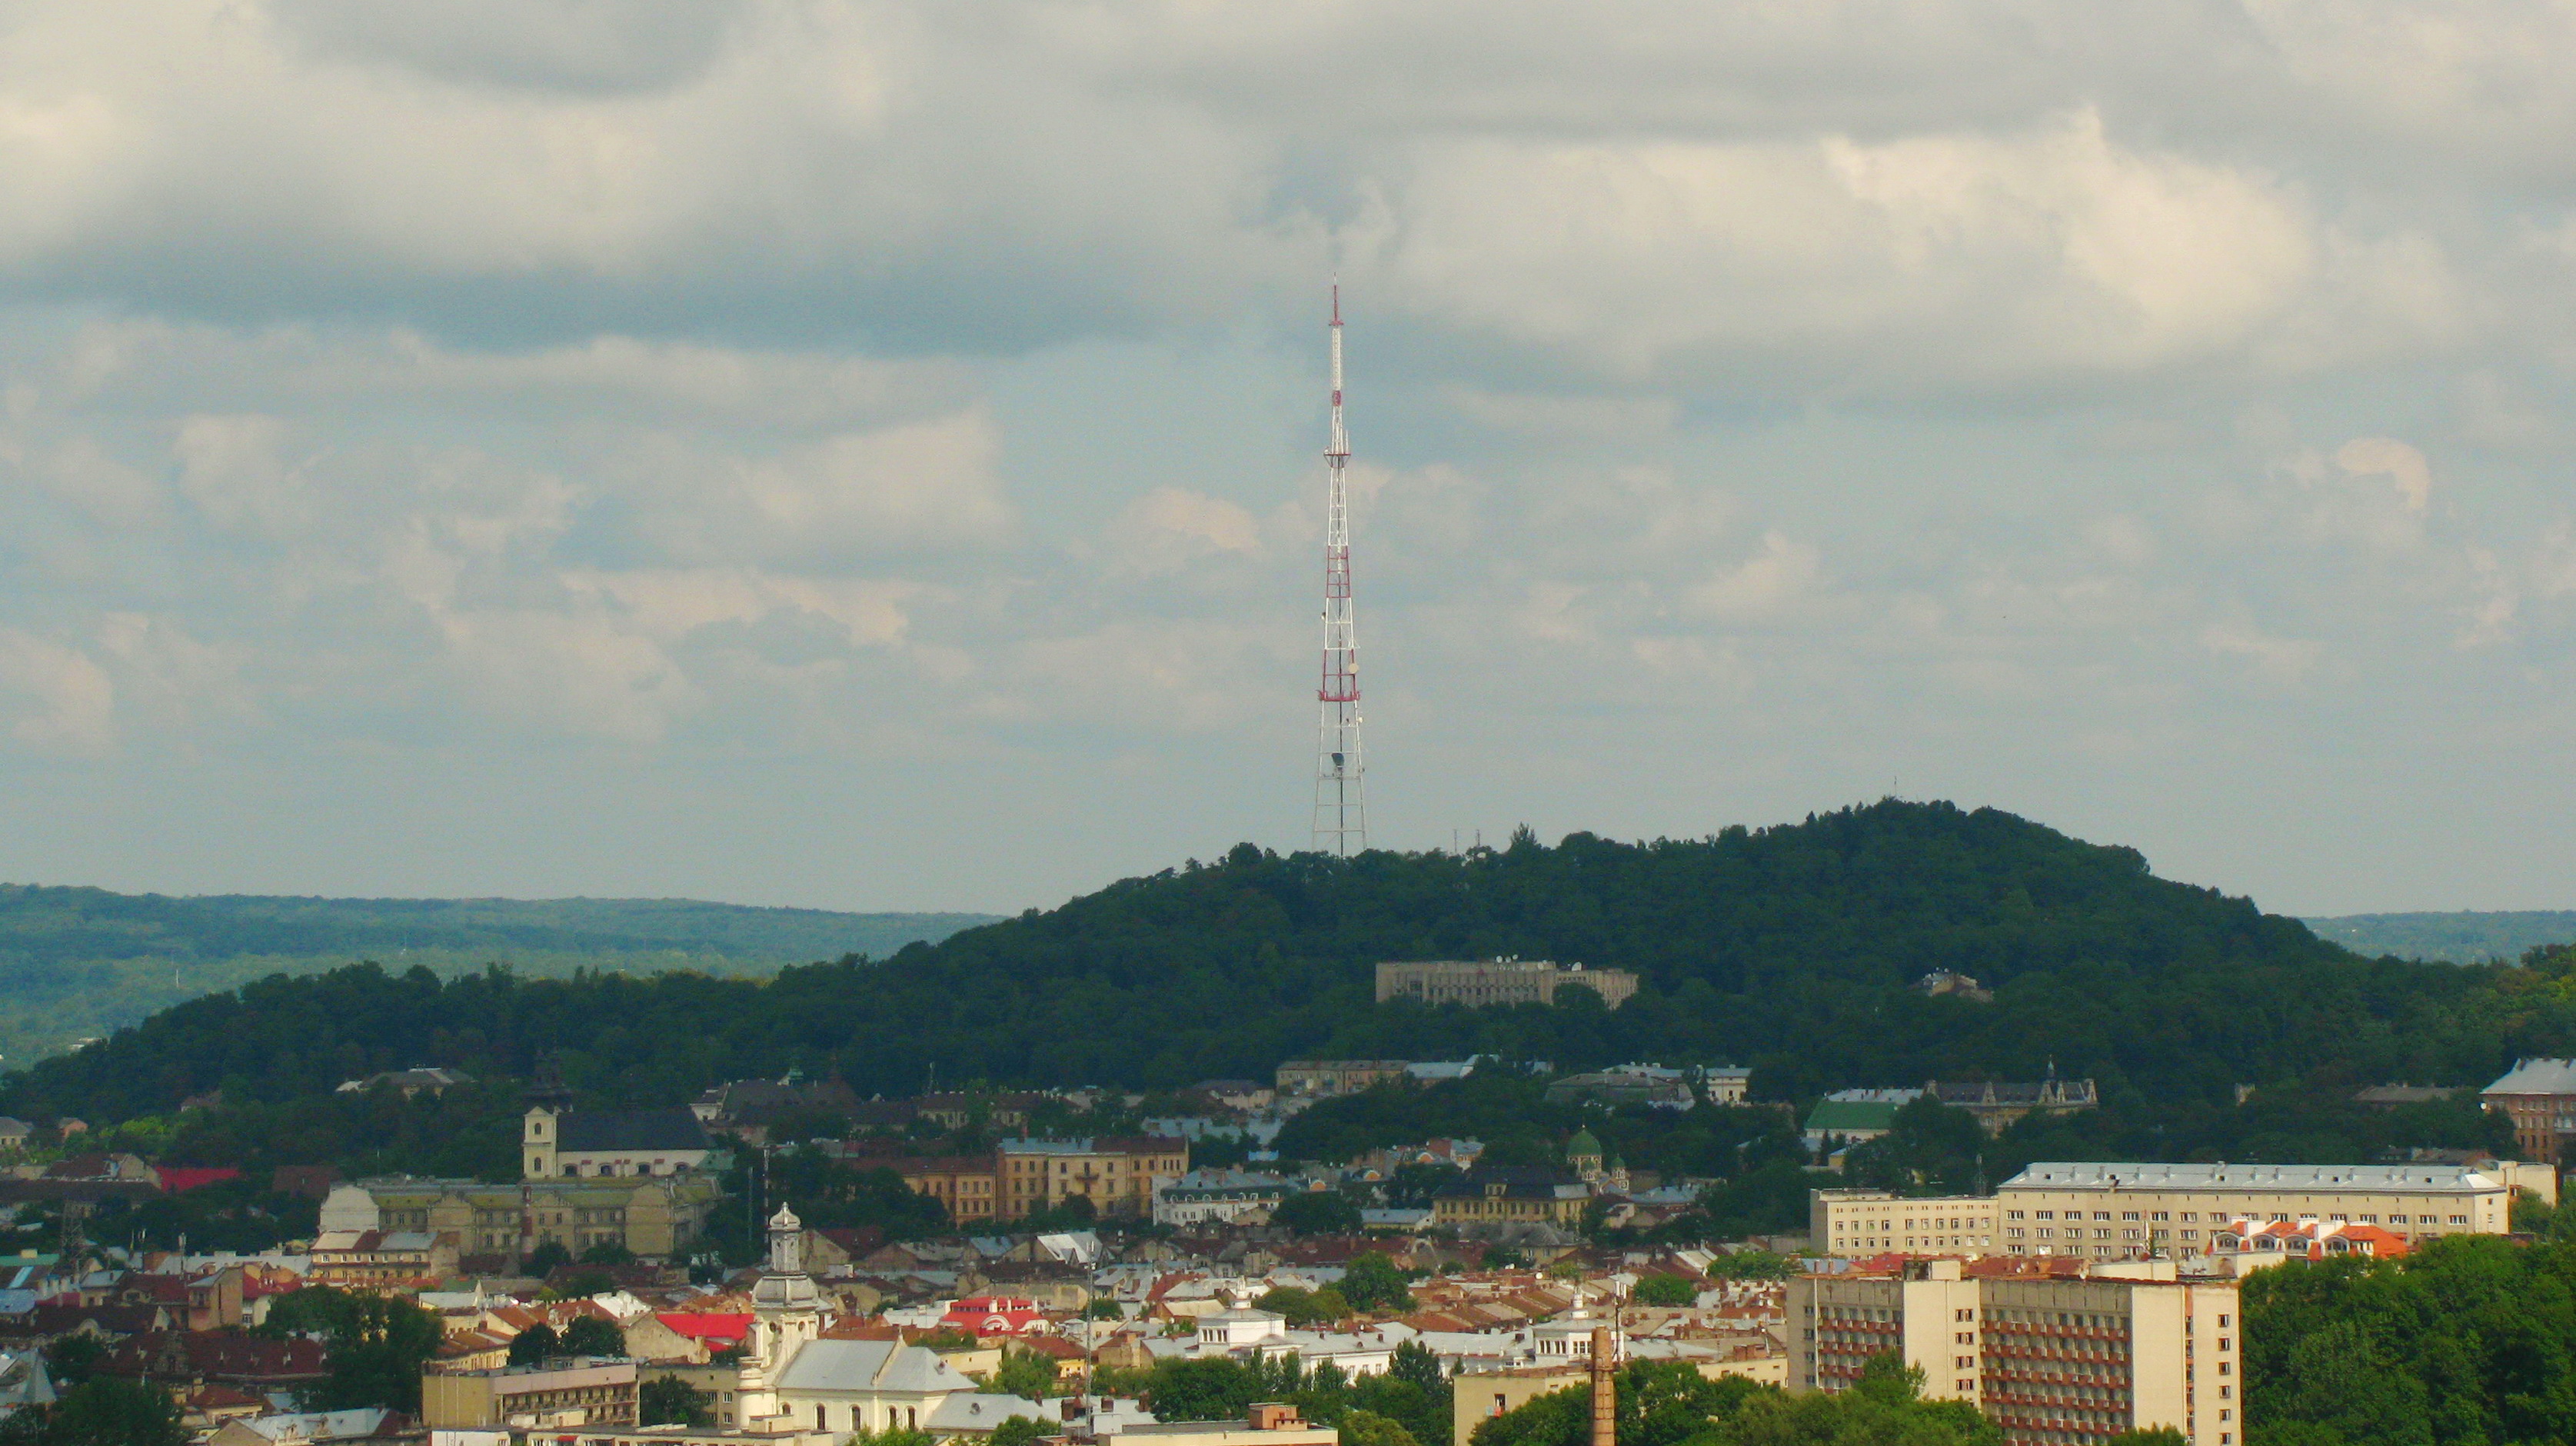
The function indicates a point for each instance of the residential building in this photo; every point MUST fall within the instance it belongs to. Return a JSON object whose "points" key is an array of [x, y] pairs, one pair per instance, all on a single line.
{"points": [[204, 1301], [1513, 1197], [577, 1145], [2539, 1095], [2113, 1211], [2052, 1360], [1330, 1078], [655, 1217], [750, 1105], [1477, 1396], [228, 1357], [314, 1428], [1726, 1084], [1950, 984], [2264, 1242], [584, 1391], [383, 1260], [1117, 1175], [1223, 1195], [1872, 1222], [1997, 1106], [1852, 1116], [1629, 1084], [968, 1187], [1478, 984], [1268, 1424]]}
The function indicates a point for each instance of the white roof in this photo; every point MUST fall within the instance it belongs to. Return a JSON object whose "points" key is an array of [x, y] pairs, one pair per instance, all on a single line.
{"points": [[827, 1365], [2064, 1175], [2537, 1077]]}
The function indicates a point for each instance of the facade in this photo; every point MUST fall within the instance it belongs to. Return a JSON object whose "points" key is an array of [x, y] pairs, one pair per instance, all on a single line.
{"points": [[967, 1186], [2053, 1361], [655, 1217], [1220, 1195], [1852, 1116], [2539, 1095], [1269, 1425], [1996, 1106], [1512, 1197], [1480, 983], [1628, 1084], [1329, 1078], [2254, 1243], [572, 1146], [1117, 1175], [2118, 1211], [1726, 1084], [582, 1392], [383, 1260], [1870, 1222]]}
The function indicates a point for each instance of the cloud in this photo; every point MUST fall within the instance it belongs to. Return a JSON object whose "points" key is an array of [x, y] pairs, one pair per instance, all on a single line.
{"points": [[858, 494], [2401, 464], [1761, 586], [67, 701]]}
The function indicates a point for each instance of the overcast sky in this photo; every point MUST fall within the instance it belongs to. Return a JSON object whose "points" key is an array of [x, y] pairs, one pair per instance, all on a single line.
{"points": [[865, 454]]}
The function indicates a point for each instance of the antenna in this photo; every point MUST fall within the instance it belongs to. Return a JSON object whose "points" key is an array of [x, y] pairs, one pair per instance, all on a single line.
{"points": [[1341, 813]]}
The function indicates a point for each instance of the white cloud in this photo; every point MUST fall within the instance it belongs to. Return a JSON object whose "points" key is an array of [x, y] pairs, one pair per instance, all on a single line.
{"points": [[2401, 464], [67, 702], [860, 494], [1762, 586]]}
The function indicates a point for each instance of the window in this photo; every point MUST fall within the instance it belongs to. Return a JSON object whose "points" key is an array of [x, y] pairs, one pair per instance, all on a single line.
{"points": [[2101, 1214], [2012, 1215], [2157, 1215], [2046, 1215], [2459, 1220], [2188, 1215], [2132, 1215]]}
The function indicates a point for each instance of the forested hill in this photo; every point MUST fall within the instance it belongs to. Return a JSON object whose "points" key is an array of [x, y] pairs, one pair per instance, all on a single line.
{"points": [[79, 962], [1790, 948], [2462, 937]]}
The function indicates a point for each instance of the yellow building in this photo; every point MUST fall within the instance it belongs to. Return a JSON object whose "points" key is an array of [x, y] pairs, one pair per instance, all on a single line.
{"points": [[2051, 1360], [582, 1392], [1117, 1175], [655, 1217], [2116, 1211], [1481, 983], [1867, 1222], [1512, 1196]]}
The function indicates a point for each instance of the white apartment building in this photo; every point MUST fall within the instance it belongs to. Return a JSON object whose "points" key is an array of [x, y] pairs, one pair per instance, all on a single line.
{"points": [[2121, 1211], [1867, 1222], [2055, 1362]]}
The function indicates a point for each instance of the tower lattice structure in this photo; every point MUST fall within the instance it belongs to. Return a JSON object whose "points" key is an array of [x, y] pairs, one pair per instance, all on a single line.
{"points": [[1341, 809]]}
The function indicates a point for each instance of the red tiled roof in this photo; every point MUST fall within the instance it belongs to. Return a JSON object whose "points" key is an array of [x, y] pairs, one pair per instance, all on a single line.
{"points": [[726, 1328], [178, 1178]]}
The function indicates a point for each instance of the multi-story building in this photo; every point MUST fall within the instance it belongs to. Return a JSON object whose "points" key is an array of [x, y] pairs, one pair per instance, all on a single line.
{"points": [[2055, 1361], [1479, 983], [967, 1186], [2539, 1095], [1221, 1195], [2118, 1211], [654, 1217], [1329, 1078], [1997, 1106], [1869, 1222], [573, 1146], [1726, 1084], [582, 1392], [1512, 1197], [1117, 1175], [383, 1260]]}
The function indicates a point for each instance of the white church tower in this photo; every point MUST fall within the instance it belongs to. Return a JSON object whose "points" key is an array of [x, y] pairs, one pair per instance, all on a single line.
{"points": [[787, 1314]]}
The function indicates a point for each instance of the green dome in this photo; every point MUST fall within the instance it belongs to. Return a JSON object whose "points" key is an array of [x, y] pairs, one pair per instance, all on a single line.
{"points": [[1582, 1144]]}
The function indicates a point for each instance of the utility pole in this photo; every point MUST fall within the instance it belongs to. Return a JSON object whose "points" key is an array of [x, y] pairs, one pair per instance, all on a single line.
{"points": [[1341, 811]]}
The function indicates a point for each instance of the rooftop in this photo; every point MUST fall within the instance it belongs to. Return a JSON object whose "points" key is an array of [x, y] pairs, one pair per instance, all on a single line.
{"points": [[2066, 1175]]}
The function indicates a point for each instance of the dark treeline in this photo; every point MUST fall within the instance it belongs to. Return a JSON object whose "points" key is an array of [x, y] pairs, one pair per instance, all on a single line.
{"points": [[1791, 949]]}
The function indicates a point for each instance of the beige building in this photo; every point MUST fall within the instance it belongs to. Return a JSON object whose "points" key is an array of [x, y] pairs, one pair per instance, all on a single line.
{"points": [[1867, 1222], [656, 1217], [1478, 983], [1330, 1078], [1117, 1175], [1270, 1424], [2118, 1211], [1478, 1396], [2052, 1361], [383, 1260], [2539, 1096], [583, 1392]]}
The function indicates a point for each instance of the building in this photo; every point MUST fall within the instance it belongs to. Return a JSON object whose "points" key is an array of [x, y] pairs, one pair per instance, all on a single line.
{"points": [[968, 1187], [1628, 1084], [753, 1105], [1950, 984], [227, 1357], [1117, 1175], [410, 1081], [1477, 1396], [1222, 1195], [2254, 1243], [653, 1217], [1269, 1424], [1726, 1084], [1478, 984], [2052, 1360], [383, 1260], [1997, 1106], [585, 1145], [584, 1391], [1512, 1197], [2114, 1211], [2398, 1096], [1871, 1222], [2539, 1095], [1852, 1116], [1329, 1078]]}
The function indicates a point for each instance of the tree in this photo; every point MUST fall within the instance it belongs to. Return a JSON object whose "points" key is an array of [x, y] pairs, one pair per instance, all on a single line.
{"points": [[70, 1358], [1317, 1212], [591, 1335], [1363, 1428], [376, 1345], [1103, 1309], [1416, 1363], [535, 1345], [1019, 1431], [546, 1259], [104, 1412], [1371, 1282], [1664, 1290], [2151, 1436], [607, 1252], [1025, 1374], [669, 1401]]}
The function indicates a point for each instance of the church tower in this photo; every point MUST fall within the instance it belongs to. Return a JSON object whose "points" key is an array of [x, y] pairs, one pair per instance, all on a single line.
{"points": [[786, 1314]]}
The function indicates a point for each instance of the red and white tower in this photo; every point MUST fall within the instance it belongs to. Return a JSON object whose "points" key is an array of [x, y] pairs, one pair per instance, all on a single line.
{"points": [[1341, 812]]}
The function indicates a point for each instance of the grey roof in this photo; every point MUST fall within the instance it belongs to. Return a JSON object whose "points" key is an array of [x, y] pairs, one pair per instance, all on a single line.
{"points": [[2537, 1077], [830, 1365], [639, 1130], [982, 1411], [2069, 1175]]}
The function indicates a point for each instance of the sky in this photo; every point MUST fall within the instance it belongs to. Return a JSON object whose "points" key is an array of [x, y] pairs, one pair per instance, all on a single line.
{"points": [[865, 453]]}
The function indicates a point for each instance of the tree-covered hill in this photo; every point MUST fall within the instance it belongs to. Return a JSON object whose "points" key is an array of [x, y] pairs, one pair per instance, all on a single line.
{"points": [[1790, 948], [79, 962], [2460, 936]]}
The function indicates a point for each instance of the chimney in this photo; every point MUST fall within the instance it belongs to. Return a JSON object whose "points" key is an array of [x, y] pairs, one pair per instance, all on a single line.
{"points": [[1605, 1391]]}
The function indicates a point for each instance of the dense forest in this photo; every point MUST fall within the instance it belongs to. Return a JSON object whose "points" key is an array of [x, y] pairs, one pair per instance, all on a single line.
{"points": [[1792, 949], [2460, 936], [77, 963]]}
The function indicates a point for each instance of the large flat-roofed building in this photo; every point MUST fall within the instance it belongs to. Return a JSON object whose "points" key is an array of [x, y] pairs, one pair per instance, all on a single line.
{"points": [[1478, 983], [2054, 1361], [2117, 1211], [1870, 1222], [2539, 1096]]}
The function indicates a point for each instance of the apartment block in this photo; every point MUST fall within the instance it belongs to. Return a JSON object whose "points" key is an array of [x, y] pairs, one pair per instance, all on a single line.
{"points": [[2055, 1361], [2121, 1211], [1117, 1175], [1867, 1222]]}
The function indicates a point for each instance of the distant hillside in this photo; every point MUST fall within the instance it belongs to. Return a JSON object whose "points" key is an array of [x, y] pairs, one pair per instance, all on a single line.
{"points": [[78, 962], [2457, 938], [1790, 949]]}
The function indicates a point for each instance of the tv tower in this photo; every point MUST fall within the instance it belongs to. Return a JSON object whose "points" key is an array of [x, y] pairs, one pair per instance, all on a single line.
{"points": [[1341, 812]]}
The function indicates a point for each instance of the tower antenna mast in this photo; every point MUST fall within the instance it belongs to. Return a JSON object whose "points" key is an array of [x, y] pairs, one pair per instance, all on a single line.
{"points": [[1341, 811]]}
